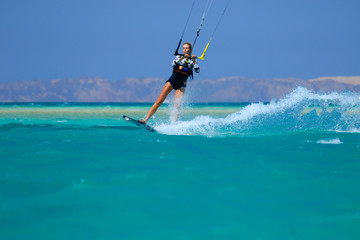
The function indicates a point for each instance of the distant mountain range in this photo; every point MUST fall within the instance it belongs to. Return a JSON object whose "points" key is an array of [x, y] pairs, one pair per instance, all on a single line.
{"points": [[229, 89]]}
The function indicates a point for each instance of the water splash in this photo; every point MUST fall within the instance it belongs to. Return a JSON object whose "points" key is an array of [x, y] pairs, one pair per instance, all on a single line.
{"points": [[301, 110]]}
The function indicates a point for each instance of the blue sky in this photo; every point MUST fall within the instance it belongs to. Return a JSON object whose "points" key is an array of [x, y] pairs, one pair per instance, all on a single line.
{"points": [[116, 39]]}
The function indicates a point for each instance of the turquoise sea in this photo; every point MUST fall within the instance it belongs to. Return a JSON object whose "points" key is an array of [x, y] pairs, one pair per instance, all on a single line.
{"points": [[287, 169]]}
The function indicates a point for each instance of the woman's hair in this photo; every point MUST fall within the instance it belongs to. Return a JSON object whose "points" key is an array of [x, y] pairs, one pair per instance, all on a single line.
{"points": [[188, 43]]}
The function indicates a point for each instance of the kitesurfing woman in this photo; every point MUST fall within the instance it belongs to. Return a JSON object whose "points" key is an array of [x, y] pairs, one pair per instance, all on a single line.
{"points": [[183, 66]]}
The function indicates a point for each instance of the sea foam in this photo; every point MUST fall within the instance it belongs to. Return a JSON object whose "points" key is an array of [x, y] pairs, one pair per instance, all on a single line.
{"points": [[330, 141]]}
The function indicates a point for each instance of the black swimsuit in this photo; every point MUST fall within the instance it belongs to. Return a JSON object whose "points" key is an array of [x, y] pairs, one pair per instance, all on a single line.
{"points": [[182, 69], [178, 80]]}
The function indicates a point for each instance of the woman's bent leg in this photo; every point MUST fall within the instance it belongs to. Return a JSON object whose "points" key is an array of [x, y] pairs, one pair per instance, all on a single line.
{"points": [[164, 92]]}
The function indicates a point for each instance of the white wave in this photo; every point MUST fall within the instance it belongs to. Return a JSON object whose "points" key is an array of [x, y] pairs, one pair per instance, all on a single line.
{"points": [[330, 141], [61, 121]]}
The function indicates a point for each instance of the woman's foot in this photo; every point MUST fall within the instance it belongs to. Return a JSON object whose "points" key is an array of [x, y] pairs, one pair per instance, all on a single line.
{"points": [[142, 121]]}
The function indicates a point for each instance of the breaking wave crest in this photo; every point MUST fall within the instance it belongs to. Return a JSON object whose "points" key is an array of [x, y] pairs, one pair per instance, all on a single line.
{"points": [[300, 111]]}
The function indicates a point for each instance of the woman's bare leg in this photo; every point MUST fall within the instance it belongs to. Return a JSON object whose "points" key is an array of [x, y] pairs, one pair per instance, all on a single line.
{"points": [[164, 92], [178, 100]]}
